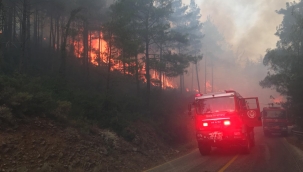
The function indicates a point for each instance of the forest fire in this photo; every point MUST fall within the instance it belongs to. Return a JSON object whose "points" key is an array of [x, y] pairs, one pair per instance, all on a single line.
{"points": [[98, 55], [96, 43], [208, 86], [278, 100]]}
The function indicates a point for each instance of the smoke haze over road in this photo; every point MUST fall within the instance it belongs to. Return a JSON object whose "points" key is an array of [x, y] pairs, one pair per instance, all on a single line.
{"points": [[248, 28]]}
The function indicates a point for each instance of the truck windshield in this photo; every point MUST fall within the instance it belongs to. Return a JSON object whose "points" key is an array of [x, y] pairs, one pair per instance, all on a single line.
{"points": [[275, 114], [212, 105]]}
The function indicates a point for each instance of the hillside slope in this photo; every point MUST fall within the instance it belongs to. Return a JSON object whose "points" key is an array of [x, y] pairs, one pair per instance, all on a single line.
{"points": [[42, 145]]}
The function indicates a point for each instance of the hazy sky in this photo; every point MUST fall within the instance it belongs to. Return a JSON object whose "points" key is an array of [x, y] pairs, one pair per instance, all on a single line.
{"points": [[246, 24]]}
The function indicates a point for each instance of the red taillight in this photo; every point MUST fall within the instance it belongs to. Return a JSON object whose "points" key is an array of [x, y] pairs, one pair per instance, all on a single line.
{"points": [[205, 124], [199, 94], [226, 122]]}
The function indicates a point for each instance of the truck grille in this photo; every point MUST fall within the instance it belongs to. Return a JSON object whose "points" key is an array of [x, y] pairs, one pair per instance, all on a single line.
{"points": [[272, 124]]}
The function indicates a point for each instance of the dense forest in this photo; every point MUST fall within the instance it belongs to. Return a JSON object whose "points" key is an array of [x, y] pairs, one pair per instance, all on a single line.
{"points": [[104, 62], [127, 68], [112, 62]]}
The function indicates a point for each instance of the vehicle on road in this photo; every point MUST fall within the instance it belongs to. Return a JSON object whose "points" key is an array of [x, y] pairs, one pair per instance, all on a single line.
{"points": [[225, 119], [274, 121]]}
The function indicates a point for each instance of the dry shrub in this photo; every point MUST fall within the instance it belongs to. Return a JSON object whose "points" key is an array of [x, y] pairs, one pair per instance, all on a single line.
{"points": [[110, 138], [62, 110], [6, 114]]}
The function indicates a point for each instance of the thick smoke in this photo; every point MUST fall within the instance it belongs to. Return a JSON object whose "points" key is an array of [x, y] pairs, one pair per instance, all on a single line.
{"points": [[248, 27]]}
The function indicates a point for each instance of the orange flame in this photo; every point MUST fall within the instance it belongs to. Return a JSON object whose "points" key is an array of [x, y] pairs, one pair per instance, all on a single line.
{"points": [[97, 52], [208, 86], [278, 100]]}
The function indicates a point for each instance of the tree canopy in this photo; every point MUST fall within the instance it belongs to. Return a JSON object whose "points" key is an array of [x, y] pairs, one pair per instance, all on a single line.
{"points": [[285, 72]]}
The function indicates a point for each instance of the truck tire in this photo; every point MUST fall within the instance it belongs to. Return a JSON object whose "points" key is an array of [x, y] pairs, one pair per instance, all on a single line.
{"points": [[252, 142], [266, 134], [285, 134], [204, 149], [252, 139], [246, 147]]}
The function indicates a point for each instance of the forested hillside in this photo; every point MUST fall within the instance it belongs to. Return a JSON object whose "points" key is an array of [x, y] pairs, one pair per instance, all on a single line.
{"points": [[98, 71]]}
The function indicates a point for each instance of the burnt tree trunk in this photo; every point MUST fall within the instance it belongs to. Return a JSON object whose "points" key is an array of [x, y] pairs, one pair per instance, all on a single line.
{"points": [[58, 33], [197, 73], [99, 49], [160, 68], [109, 62], [22, 60], [85, 48], [14, 24], [62, 69], [123, 62], [147, 75], [137, 75], [35, 35], [28, 34], [50, 42]]}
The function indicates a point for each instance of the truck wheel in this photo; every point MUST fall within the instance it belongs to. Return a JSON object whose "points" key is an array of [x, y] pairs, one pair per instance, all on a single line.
{"points": [[252, 142], [246, 147], [204, 149], [266, 134], [252, 139], [285, 134]]}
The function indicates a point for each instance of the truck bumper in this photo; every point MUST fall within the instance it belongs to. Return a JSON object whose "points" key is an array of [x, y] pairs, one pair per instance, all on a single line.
{"points": [[281, 130], [222, 139]]}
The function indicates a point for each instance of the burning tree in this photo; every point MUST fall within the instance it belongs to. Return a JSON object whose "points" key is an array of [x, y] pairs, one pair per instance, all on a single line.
{"points": [[122, 37]]}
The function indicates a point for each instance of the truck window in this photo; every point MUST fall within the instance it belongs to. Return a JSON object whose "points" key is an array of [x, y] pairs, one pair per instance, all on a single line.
{"points": [[212, 105], [243, 105], [274, 114], [251, 104]]}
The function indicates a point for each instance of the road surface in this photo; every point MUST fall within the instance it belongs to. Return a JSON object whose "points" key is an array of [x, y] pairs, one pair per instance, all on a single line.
{"points": [[269, 154]]}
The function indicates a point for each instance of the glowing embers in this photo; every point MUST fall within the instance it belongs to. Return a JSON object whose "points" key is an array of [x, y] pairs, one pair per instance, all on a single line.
{"points": [[155, 79], [96, 48]]}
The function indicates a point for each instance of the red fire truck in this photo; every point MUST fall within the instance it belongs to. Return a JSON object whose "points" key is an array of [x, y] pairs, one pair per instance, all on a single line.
{"points": [[225, 119], [274, 121]]}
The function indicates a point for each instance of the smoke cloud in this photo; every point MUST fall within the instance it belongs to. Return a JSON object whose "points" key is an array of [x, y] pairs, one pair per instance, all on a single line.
{"points": [[247, 25], [249, 28]]}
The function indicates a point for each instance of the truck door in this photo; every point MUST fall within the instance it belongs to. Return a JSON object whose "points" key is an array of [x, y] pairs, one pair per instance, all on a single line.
{"points": [[251, 111]]}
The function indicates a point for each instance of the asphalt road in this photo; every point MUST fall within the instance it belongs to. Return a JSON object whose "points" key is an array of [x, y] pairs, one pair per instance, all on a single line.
{"points": [[270, 154]]}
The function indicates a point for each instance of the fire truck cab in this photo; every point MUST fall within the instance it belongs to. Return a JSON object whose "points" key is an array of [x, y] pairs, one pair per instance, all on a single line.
{"points": [[274, 121], [225, 119]]}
